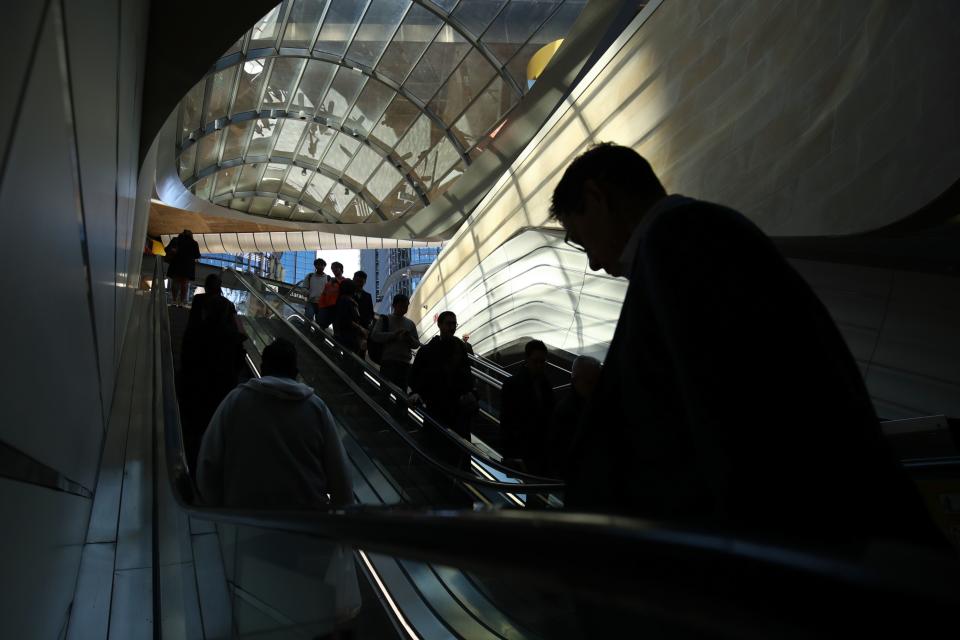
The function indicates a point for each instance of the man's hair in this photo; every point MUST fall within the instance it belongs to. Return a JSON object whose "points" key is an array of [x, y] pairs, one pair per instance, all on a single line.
{"points": [[534, 345], [401, 297], [335, 265], [446, 314], [360, 274], [319, 261], [620, 171], [279, 359], [581, 361], [211, 284]]}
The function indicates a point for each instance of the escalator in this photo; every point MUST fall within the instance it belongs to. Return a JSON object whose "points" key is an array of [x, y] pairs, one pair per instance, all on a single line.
{"points": [[484, 569]]}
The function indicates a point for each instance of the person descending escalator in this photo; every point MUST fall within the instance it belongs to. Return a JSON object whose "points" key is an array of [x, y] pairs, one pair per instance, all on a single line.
{"points": [[398, 337], [364, 300], [526, 408], [314, 283], [182, 253], [327, 302], [212, 357], [273, 444], [567, 414], [441, 377], [346, 323]]}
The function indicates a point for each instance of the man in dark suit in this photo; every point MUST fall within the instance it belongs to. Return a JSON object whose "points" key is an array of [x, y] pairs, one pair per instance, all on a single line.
{"points": [[728, 398], [364, 300]]}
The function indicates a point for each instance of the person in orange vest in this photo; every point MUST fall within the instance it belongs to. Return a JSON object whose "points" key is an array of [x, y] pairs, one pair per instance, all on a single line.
{"points": [[327, 304]]}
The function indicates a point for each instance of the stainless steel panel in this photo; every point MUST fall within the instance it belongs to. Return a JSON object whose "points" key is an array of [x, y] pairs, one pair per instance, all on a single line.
{"points": [[90, 614], [181, 607], [131, 609], [215, 601]]}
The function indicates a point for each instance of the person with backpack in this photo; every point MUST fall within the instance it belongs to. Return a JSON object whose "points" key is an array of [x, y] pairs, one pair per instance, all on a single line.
{"points": [[392, 342], [182, 253]]}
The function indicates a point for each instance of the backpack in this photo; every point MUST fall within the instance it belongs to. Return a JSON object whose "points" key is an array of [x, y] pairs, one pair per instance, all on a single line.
{"points": [[375, 349]]}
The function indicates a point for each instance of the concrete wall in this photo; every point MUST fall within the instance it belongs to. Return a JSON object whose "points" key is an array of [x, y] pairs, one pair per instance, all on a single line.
{"points": [[71, 257], [811, 117]]}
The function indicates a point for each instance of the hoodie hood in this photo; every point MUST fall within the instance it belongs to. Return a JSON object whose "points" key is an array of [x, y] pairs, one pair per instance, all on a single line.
{"points": [[284, 388]]}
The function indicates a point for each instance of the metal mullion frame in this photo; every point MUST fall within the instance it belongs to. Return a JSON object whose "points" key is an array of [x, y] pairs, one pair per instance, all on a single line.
{"points": [[303, 134], [296, 85], [330, 219], [476, 43], [207, 90], [258, 105], [356, 28], [316, 34], [281, 123], [282, 23]]}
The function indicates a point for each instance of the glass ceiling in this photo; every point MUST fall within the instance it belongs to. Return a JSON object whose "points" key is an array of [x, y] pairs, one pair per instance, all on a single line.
{"points": [[359, 110]]}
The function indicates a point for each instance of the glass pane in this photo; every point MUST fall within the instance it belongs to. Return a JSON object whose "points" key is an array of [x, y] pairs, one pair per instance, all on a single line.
{"points": [[343, 91], [341, 151], [315, 143], [414, 35], [376, 30], [517, 22], [240, 204], [402, 198], [283, 77], [437, 163], [221, 86], [492, 105], [476, 15], [207, 150], [338, 198], [249, 178], [371, 103], [317, 190], [192, 104], [202, 188], [363, 164], [316, 78], [396, 119], [272, 177], [266, 29], [446, 5], [383, 181], [263, 131], [418, 140], [356, 211], [260, 205], [296, 179], [281, 209], [248, 90], [469, 78], [302, 23], [289, 138], [237, 135], [188, 160], [441, 58], [555, 28], [338, 26], [226, 181], [303, 213]]}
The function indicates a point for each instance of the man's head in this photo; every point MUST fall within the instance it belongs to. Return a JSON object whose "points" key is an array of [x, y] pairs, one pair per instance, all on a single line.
{"points": [[585, 375], [187, 233], [535, 353], [600, 199], [447, 323], [319, 264], [360, 279], [337, 269], [401, 304], [347, 288], [279, 359], [211, 284]]}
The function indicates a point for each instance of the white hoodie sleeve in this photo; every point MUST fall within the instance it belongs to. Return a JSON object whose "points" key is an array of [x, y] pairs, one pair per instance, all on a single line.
{"points": [[210, 457]]}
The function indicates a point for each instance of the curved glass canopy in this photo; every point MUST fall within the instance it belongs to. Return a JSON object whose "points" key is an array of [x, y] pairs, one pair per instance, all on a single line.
{"points": [[359, 110]]}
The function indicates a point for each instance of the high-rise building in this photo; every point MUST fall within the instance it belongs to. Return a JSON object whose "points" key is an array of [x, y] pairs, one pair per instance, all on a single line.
{"points": [[295, 265], [393, 271]]}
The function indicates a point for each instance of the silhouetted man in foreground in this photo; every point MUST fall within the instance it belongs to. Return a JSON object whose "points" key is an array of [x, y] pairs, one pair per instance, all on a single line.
{"points": [[729, 397]]}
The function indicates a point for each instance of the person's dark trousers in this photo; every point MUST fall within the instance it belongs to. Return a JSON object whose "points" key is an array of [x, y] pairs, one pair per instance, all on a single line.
{"points": [[325, 316], [396, 372]]}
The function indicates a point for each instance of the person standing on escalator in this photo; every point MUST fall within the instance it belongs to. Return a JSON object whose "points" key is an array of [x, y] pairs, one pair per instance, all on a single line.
{"points": [[346, 324], [441, 377], [526, 409], [182, 255], [327, 303], [314, 283], [398, 335]]}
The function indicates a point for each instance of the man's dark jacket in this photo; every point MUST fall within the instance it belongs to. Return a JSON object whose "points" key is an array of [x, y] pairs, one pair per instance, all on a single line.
{"points": [[440, 375], [365, 306], [526, 411], [729, 398]]}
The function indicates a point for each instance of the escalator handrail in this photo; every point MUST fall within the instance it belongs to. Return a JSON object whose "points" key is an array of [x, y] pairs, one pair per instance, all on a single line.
{"points": [[537, 544], [548, 485], [528, 480]]}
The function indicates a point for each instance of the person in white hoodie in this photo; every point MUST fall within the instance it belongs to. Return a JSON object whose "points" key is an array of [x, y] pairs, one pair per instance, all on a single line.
{"points": [[272, 444]]}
